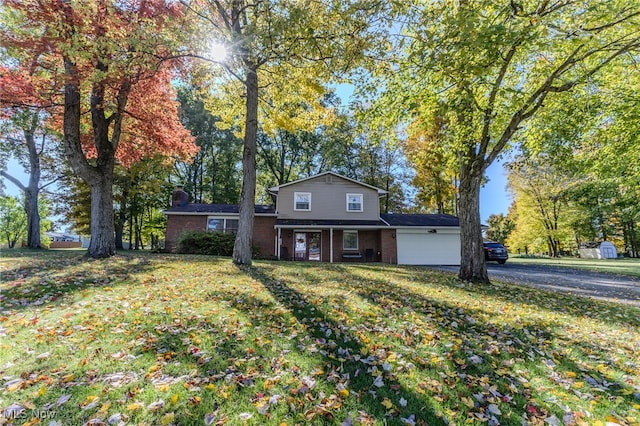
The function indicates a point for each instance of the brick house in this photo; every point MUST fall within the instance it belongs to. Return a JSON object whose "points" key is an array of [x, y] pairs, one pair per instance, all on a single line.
{"points": [[328, 218]]}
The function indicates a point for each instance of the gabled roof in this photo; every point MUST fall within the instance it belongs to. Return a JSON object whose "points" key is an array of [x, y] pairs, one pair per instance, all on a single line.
{"points": [[275, 189], [420, 220], [216, 208]]}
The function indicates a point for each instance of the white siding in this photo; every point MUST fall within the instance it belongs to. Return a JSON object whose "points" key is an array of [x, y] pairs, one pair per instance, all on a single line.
{"points": [[420, 247]]}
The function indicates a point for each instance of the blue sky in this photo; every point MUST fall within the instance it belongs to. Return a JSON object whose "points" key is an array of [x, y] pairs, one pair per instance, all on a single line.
{"points": [[494, 197]]}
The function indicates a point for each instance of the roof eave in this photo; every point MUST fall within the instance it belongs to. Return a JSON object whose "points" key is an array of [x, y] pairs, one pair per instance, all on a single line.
{"points": [[174, 213], [274, 189]]}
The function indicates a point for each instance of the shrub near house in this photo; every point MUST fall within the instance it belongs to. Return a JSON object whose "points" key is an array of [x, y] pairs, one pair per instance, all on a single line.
{"points": [[200, 242]]}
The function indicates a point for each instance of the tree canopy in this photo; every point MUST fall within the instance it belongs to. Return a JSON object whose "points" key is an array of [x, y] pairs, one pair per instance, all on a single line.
{"points": [[279, 55], [487, 68], [107, 68]]}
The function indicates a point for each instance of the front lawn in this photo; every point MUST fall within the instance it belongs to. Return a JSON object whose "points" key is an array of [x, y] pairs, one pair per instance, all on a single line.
{"points": [[166, 339]]}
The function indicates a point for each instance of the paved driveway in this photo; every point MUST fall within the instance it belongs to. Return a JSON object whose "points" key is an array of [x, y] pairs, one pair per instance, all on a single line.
{"points": [[598, 285]]}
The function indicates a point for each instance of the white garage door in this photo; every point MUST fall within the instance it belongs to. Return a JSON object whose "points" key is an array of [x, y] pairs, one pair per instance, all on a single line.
{"points": [[423, 248]]}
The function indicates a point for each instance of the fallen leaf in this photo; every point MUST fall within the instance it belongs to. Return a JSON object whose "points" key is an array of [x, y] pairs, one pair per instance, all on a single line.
{"points": [[63, 399], [169, 417], [135, 406]]}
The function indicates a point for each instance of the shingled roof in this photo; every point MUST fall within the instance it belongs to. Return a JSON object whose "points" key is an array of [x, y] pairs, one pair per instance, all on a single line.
{"points": [[216, 208], [420, 220]]}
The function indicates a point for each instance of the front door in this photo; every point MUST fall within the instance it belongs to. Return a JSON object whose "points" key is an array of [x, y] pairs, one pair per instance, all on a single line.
{"points": [[307, 246]]}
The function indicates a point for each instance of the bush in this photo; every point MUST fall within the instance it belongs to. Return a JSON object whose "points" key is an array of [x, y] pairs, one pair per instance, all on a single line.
{"points": [[213, 243]]}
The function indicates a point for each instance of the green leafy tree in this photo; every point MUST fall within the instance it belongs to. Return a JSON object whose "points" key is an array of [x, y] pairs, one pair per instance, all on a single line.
{"points": [[140, 193], [72, 202], [381, 163], [279, 55], [25, 136], [500, 227], [488, 68], [213, 175], [435, 178], [112, 75], [592, 134], [540, 189], [144, 193], [13, 220], [609, 156]]}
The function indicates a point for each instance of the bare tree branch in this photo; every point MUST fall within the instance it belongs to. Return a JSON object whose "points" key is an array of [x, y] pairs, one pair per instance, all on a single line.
{"points": [[14, 180]]}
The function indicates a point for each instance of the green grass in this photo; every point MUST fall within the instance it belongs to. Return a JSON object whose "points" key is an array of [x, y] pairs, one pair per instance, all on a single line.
{"points": [[622, 266], [164, 339]]}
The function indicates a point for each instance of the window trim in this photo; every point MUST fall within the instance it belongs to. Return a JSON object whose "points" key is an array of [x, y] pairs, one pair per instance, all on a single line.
{"points": [[361, 196], [350, 231], [225, 227], [295, 201]]}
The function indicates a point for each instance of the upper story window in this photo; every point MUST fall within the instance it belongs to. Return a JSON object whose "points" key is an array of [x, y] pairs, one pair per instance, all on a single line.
{"points": [[302, 201], [222, 224], [354, 202]]}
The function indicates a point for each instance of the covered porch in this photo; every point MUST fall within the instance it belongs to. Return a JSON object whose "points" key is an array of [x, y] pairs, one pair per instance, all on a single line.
{"points": [[332, 241]]}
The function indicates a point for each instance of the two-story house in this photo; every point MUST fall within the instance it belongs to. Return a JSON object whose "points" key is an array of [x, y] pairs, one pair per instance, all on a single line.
{"points": [[329, 218]]}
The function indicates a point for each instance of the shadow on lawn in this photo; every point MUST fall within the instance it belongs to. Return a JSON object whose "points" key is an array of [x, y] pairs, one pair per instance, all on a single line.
{"points": [[48, 280], [559, 302], [540, 347], [318, 322], [562, 303], [532, 341]]}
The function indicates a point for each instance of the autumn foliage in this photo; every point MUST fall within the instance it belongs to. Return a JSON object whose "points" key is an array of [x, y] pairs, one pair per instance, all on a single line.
{"points": [[110, 64], [113, 46], [150, 126]]}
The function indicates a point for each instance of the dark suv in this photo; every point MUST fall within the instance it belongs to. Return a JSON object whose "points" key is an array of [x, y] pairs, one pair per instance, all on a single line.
{"points": [[495, 251]]}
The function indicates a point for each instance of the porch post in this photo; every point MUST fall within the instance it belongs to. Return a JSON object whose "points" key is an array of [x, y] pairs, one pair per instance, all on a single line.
{"points": [[278, 242], [330, 245]]}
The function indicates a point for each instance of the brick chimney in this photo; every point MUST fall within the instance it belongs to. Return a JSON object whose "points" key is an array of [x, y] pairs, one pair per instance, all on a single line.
{"points": [[179, 198]]}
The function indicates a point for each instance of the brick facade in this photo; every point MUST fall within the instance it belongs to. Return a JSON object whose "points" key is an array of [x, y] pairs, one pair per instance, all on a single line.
{"points": [[388, 246], [264, 235], [177, 224], [263, 231]]}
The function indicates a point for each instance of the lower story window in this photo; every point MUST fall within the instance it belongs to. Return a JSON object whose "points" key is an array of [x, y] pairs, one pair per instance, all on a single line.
{"points": [[350, 240], [222, 224]]}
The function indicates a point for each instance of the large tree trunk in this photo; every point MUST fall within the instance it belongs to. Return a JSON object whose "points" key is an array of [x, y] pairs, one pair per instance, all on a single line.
{"points": [[33, 190], [33, 218], [98, 177], [30, 206], [472, 264], [103, 243], [242, 248]]}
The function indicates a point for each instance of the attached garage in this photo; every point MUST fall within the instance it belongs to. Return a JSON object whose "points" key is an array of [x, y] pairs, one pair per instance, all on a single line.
{"points": [[426, 239], [420, 247]]}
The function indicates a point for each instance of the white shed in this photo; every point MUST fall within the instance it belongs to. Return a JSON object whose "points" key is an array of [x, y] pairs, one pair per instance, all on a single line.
{"points": [[608, 250], [604, 250]]}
